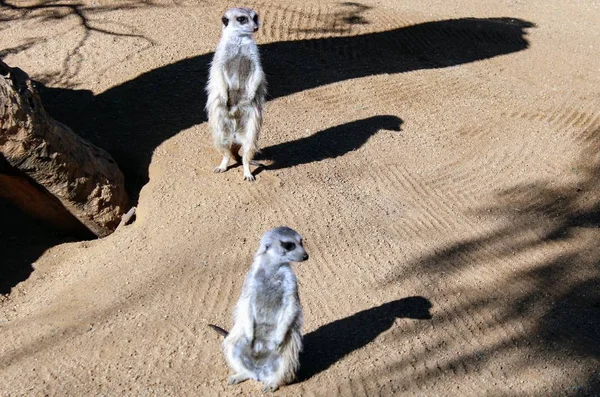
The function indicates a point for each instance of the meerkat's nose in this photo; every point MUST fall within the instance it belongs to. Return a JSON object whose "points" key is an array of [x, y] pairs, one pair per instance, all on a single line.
{"points": [[256, 28], [305, 257]]}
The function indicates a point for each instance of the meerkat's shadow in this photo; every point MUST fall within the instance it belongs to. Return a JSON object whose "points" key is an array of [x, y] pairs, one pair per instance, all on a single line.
{"points": [[331, 342], [330, 143]]}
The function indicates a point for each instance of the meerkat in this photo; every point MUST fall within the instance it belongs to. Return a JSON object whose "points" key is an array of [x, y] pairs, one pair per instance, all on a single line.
{"points": [[266, 339], [236, 90]]}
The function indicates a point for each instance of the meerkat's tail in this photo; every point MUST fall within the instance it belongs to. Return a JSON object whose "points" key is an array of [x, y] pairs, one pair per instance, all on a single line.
{"points": [[219, 330]]}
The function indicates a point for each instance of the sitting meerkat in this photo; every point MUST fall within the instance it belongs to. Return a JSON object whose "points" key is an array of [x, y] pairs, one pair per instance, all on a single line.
{"points": [[236, 90], [266, 339]]}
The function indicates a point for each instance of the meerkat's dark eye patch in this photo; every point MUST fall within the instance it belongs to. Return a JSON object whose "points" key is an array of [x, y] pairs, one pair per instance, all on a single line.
{"points": [[255, 18], [242, 20], [288, 245], [225, 21]]}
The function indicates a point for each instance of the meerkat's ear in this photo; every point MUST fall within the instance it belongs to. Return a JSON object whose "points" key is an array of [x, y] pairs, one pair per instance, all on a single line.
{"points": [[262, 249], [225, 21]]}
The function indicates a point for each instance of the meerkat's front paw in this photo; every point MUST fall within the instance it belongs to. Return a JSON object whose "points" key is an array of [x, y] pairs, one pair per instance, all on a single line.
{"points": [[270, 388], [249, 177], [278, 344], [219, 169]]}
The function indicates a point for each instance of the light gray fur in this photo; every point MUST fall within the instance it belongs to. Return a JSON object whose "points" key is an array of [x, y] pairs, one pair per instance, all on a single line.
{"points": [[266, 339], [236, 90]]}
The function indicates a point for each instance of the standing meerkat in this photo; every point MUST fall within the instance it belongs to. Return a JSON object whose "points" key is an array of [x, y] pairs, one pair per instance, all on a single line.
{"points": [[236, 90], [266, 339]]}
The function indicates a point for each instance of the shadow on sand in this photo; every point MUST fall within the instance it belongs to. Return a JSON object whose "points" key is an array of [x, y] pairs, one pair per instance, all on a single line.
{"points": [[22, 241], [330, 143], [332, 342], [559, 288], [132, 119]]}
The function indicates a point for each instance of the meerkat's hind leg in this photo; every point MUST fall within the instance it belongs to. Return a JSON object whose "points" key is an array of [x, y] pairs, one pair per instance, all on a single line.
{"points": [[247, 173], [270, 387], [224, 164], [248, 150], [223, 134], [250, 144], [287, 364], [228, 154], [238, 378], [236, 349], [225, 148], [235, 152]]}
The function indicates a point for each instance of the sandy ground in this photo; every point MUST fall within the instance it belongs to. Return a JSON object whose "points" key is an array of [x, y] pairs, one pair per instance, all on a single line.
{"points": [[440, 157]]}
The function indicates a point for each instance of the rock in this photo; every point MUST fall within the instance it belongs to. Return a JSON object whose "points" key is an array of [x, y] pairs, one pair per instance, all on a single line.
{"points": [[49, 171]]}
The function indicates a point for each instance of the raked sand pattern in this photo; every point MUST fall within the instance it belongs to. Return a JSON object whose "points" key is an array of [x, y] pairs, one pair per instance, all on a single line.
{"points": [[441, 159]]}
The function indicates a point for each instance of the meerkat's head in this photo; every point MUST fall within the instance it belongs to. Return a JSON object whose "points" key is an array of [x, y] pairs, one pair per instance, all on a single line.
{"points": [[282, 244], [240, 21]]}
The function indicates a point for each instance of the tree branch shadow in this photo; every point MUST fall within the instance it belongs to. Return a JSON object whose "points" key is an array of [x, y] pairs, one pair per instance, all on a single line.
{"points": [[24, 239], [22, 47], [554, 301], [56, 11], [347, 15]]}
